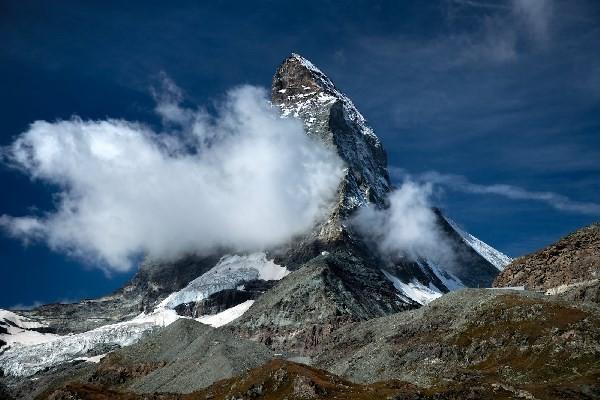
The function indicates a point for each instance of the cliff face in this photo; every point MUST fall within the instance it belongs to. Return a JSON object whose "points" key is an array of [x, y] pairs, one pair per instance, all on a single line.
{"points": [[302, 91], [572, 260]]}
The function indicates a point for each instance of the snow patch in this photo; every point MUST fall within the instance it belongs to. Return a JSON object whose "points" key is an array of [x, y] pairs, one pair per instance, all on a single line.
{"points": [[20, 330], [94, 359], [227, 316], [495, 257], [23, 322], [448, 279], [415, 290]]}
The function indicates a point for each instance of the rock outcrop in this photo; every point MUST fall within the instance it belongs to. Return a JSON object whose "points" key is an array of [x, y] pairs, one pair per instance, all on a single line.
{"points": [[558, 267]]}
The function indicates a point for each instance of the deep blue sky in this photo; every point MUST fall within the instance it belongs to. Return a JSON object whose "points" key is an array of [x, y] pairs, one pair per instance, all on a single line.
{"points": [[494, 91]]}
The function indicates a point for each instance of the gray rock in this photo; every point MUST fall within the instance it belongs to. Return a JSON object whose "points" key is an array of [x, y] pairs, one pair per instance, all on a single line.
{"points": [[181, 358]]}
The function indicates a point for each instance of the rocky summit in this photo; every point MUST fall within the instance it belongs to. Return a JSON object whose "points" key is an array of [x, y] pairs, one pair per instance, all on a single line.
{"points": [[327, 315]]}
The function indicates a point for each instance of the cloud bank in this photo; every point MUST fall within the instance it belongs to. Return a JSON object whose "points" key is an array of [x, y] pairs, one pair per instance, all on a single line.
{"points": [[408, 228], [242, 179]]}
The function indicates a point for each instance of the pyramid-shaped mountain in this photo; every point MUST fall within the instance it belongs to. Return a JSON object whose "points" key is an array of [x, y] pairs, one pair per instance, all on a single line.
{"points": [[290, 297]]}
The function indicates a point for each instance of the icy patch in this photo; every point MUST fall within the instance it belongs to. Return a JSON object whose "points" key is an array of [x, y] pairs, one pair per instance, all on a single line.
{"points": [[448, 279], [26, 360], [94, 359], [19, 330], [229, 273], [495, 257], [227, 316], [415, 290]]}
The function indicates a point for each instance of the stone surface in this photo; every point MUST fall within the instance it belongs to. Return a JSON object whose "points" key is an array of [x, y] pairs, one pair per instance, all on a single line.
{"points": [[519, 339], [574, 258]]}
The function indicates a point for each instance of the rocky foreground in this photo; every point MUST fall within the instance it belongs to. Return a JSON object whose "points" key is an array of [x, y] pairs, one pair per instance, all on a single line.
{"points": [[474, 343]]}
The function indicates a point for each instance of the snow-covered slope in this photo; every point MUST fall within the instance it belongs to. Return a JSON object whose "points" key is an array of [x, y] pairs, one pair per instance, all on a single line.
{"points": [[31, 353], [420, 292], [414, 290], [16, 329], [25, 360], [495, 257], [227, 316], [230, 272]]}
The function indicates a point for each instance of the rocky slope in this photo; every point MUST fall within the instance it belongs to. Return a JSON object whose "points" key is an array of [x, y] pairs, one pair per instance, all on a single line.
{"points": [[475, 343], [571, 260], [280, 379], [529, 342], [183, 357]]}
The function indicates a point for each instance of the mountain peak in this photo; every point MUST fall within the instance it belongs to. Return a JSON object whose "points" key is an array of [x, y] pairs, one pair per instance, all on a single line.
{"points": [[298, 74], [303, 91]]}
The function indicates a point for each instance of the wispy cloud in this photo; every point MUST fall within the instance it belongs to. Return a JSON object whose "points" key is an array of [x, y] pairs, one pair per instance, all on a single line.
{"points": [[501, 28], [462, 184], [408, 228], [536, 16]]}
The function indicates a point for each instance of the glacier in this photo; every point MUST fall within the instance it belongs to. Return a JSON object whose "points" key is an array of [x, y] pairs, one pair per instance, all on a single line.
{"points": [[27, 357]]}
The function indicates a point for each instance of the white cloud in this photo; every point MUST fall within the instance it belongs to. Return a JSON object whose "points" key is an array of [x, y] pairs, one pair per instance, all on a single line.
{"points": [[408, 228], [125, 190]]}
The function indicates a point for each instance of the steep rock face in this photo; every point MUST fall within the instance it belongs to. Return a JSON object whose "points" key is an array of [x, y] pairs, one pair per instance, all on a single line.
{"points": [[571, 260], [302, 91], [328, 292]]}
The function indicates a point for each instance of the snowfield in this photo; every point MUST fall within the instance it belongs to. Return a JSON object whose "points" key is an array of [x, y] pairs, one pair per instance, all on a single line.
{"points": [[225, 317], [20, 330], [30, 353], [415, 290]]}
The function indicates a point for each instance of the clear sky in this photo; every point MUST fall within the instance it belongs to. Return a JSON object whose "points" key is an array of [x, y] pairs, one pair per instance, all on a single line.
{"points": [[496, 102]]}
